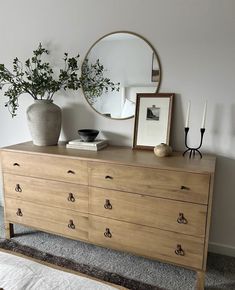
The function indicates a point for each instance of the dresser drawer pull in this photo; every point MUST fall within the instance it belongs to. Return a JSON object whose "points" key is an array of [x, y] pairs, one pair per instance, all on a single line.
{"points": [[71, 197], [19, 212], [71, 225], [70, 172], [179, 251], [107, 204], [18, 188], [184, 187], [107, 233], [16, 164], [181, 219], [108, 177]]}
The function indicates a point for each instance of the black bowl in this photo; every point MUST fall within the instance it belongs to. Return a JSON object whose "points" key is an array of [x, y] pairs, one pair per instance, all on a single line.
{"points": [[88, 135]]}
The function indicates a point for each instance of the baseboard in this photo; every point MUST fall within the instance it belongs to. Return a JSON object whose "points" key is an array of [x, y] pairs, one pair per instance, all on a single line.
{"points": [[222, 249]]}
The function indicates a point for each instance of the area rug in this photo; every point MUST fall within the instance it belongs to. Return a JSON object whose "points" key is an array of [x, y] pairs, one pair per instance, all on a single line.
{"points": [[91, 271]]}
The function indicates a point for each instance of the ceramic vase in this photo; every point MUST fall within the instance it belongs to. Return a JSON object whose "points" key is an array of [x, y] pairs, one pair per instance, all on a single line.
{"points": [[44, 121]]}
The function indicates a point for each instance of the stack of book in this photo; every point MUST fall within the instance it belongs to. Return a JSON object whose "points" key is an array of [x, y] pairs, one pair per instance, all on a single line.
{"points": [[80, 144]]}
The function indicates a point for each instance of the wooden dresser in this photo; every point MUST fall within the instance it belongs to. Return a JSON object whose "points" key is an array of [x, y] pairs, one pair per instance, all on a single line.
{"points": [[118, 198]]}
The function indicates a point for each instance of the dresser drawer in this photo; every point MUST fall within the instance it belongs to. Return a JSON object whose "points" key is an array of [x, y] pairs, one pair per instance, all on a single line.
{"points": [[49, 167], [182, 217], [175, 185], [147, 241], [60, 221], [48, 192]]}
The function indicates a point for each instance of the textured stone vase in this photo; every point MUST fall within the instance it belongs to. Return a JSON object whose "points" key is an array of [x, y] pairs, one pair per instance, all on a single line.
{"points": [[44, 121], [162, 150]]}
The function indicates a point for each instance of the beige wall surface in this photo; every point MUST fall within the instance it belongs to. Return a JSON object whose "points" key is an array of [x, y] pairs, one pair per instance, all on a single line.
{"points": [[195, 40]]}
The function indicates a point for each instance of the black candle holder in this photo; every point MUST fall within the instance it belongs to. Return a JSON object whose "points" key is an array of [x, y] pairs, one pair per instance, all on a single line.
{"points": [[192, 151]]}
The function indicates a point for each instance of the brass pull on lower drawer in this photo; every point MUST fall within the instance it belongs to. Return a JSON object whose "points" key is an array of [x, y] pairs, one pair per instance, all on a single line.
{"points": [[71, 197], [18, 188], [71, 225], [71, 172], [184, 187], [19, 212], [179, 251], [181, 219], [16, 164], [108, 177], [107, 204], [107, 233]]}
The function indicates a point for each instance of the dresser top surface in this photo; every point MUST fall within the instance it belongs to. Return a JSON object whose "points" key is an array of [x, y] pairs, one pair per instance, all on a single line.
{"points": [[123, 155]]}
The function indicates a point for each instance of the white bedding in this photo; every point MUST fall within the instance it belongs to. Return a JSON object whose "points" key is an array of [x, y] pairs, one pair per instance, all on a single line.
{"points": [[18, 273]]}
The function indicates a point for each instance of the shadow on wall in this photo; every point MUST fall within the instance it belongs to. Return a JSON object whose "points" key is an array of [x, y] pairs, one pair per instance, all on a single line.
{"points": [[232, 129], [75, 117], [223, 208], [217, 129], [114, 138], [177, 124]]}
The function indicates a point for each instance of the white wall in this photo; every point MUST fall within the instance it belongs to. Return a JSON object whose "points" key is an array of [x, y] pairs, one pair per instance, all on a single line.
{"points": [[195, 40]]}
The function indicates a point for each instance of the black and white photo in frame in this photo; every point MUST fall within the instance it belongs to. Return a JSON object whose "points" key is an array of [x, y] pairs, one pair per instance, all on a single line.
{"points": [[152, 119]]}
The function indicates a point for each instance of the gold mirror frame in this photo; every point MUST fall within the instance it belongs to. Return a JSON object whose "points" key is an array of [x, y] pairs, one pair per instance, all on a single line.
{"points": [[154, 52]]}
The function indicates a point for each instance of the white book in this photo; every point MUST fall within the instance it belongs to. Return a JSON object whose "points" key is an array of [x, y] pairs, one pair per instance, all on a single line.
{"points": [[95, 143], [84, 147]]}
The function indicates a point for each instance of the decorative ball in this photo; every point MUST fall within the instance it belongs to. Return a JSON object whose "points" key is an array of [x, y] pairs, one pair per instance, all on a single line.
{"points": [[162, 150]]}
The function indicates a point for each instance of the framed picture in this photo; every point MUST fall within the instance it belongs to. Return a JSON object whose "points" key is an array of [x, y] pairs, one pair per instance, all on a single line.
{"points": [[152, 120]]}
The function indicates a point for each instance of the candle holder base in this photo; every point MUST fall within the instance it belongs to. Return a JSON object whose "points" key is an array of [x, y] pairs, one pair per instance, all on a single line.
{"points": [[192, 151]]}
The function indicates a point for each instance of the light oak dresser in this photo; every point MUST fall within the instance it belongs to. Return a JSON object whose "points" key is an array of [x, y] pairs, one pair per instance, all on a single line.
{"points": [[119, 198]]}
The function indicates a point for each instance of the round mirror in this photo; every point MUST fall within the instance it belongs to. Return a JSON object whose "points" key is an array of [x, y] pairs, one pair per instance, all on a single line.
{"points": [[115, 69]]}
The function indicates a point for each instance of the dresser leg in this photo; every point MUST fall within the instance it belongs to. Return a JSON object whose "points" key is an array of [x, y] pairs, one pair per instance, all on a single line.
{"points": [[200, 280], [9, 230]]}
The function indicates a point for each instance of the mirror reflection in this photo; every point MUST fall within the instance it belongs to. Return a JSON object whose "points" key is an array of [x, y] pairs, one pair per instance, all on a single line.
{"points": [[115, 69]]}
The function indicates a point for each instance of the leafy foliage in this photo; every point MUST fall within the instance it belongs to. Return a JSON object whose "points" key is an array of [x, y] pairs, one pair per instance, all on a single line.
{"points": [[93, 81], [37, 78]]}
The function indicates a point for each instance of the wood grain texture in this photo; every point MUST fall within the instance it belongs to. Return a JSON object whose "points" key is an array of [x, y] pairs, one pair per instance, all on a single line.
{"points": [[47, 218], [149, 211], [200, 283], [148, 181], [121, 155], [146, 241], [46, 192], [9, 230], [48, 167], [208, 221]]}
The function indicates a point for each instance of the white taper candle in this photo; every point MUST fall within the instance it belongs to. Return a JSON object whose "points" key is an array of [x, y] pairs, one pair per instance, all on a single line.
{"points": [[187, 116], [204, 116]]}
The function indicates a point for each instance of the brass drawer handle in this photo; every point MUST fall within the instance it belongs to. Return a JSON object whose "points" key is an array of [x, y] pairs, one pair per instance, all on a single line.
{"points": [[71, 225], [181, 219], [184, 187], [179, 251], [71, 197], [16, 164], [71, 172], [19, 212], [107, 204], [18, 188], [108, 177], [107, 233]]}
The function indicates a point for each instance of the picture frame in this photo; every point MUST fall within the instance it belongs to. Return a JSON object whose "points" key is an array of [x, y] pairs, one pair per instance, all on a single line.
{"points": [[152, 119]]}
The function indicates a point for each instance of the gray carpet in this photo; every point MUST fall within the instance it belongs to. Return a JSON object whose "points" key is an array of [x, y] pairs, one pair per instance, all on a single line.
{"points": [[220, 270]]}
